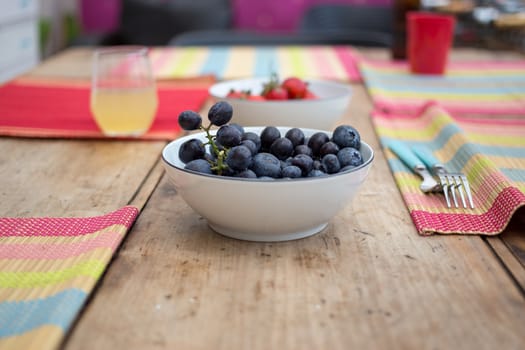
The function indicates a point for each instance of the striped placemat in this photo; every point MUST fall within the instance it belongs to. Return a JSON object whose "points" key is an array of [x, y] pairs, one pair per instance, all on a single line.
{"points": [[496, 88], [225, 62], [60, 108], [48, 268], [490, 152]]}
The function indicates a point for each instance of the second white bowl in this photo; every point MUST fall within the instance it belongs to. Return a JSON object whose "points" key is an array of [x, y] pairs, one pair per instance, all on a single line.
{"points": [[322, 113]]}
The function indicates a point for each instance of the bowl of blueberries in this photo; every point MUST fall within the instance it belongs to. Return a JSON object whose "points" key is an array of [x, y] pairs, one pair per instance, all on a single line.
{"points": [[265, 183], [308, 103]]}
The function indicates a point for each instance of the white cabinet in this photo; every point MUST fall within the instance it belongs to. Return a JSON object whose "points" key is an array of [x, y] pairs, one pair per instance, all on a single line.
{"points": [[18, 37]]}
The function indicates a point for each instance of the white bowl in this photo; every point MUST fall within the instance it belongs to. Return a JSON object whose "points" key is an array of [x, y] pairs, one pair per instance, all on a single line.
{"points": [[321, 113], [262, 210]]}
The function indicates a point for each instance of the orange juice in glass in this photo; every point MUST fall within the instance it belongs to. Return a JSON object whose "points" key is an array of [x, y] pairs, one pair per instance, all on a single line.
{"points": [[123, 91]]}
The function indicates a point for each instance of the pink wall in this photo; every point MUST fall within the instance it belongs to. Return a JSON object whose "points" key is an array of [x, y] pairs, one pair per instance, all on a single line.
{"points": [[100, 16], [280, 15]]}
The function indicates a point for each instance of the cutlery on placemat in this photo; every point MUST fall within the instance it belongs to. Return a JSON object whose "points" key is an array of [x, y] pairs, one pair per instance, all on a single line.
{"points": [[406, 155], [451, 183]]}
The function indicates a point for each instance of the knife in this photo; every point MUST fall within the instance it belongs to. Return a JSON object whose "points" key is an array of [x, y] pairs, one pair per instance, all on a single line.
{"points": [[408, 157], [428, 158]]}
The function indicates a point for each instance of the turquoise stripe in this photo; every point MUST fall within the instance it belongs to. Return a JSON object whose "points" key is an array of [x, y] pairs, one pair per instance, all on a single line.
{"points": [[469, 147], [405, 86], [466, 152], [438, 142], [446, 133], [23, 316], [502, 151], [266, 62], [216, 62], [402, 77], [458, 90], [515, 175]]}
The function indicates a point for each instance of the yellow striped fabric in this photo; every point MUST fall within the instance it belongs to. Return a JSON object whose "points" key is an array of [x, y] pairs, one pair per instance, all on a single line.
{"points": [[490, 152], [48, 268]]}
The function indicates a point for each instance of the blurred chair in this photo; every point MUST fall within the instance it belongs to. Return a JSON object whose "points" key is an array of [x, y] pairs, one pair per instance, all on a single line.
{"points": [[358, 25], [235, 37], [146, 22], [368, 24]]}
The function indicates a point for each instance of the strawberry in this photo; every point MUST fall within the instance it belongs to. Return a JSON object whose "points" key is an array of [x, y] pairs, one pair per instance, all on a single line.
{"points": [[256, 98], [277, 93], [243, 95], [295, 87], [309, 95], [273, 90]]}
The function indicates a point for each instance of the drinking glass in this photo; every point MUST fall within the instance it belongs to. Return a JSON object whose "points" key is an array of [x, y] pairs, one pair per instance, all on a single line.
{"points": [[124, 97], [430, 37]]}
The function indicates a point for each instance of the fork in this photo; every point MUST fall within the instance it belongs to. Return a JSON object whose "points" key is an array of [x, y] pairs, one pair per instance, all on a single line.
{"points": [[451, 183]]}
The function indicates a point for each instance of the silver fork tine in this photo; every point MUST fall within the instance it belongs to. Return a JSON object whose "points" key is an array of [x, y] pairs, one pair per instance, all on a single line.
{"points": [[450, 182], [457, 182], [453, 189], [460, 186], [444, 185], [467, 190]]}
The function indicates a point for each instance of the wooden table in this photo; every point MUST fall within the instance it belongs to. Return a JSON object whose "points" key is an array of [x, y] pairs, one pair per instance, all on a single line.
{"points": [[368, 281]]}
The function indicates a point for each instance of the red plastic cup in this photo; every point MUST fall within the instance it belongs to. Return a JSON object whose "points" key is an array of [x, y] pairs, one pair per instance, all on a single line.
{"points": [[430, 37]]}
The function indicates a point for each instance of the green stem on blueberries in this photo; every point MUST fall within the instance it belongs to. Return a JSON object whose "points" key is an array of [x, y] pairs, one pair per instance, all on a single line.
{"points": [[219, 165], [210, 138]]}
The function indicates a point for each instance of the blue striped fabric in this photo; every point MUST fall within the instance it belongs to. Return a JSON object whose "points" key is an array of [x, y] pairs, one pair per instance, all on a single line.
{"points": [[59, 310]]}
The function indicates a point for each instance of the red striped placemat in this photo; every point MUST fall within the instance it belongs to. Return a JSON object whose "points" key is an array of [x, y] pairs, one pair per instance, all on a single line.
{"points": [[60, 108], [48, 268], [475, 87], [490, 152]]}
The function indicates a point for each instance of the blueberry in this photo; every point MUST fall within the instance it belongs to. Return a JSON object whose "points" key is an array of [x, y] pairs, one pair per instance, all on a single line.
{"points": [[191, 149], [190, 120], [246, 174], [304, 162], [331, 164], [303, 149], [268, 136], [282, 148], [250, 145], [239, 158], [210, 157], [199, 165], [346, 136], [255, 138], [295, 135], [286, 162], [316, 173], [228, 136], [212, 154], [328, 148], [220, 113], [238, 127], [266, 178], [349, 156], [292, 172], [316, 141], [266, 164]]}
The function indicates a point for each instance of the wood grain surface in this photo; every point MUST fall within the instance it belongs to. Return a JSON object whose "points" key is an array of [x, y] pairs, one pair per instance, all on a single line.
{"points": [[368, 281]]}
